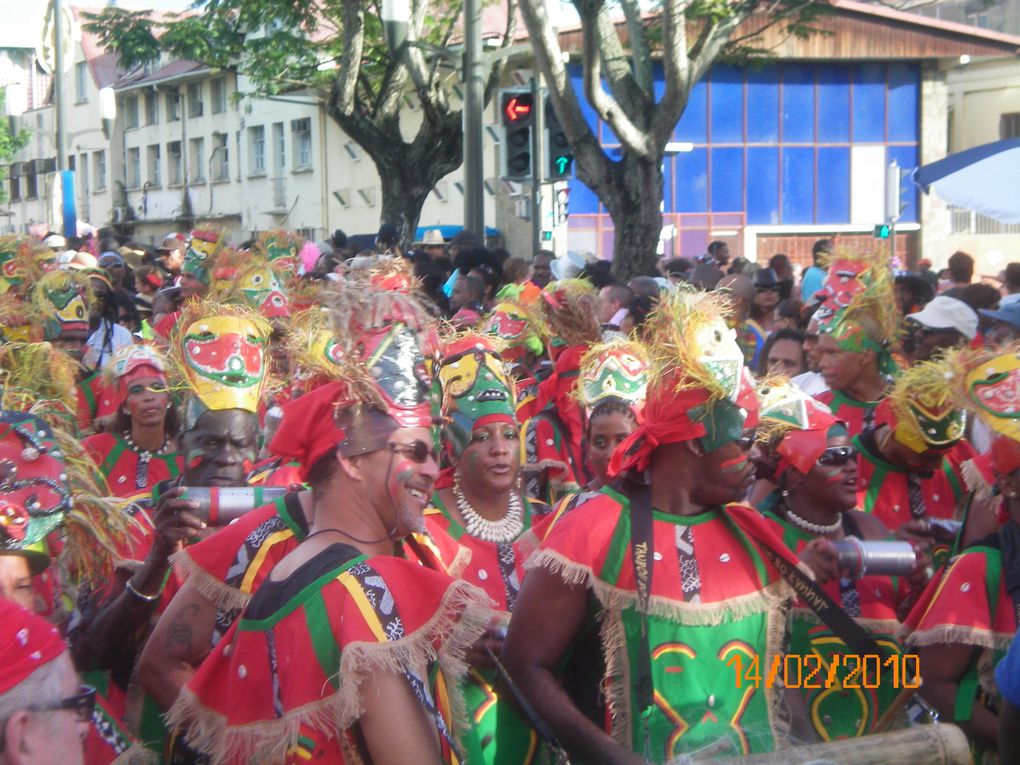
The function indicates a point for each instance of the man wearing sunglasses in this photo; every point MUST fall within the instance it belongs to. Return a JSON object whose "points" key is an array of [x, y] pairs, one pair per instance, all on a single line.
{"points": [[44, 712], [343, 633]]}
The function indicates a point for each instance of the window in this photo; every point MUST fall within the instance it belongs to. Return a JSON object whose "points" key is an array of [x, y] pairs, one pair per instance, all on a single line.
{"points": [[220, 157], [1009, 125], [99, 170], [301, 137], [152, 154], [83, 186], [151, 108], [196, 159], [194, 99], [81, 82], [131, 111], [175, 162], [134, 168], [219, 95], [257, 150], [31, 186], [280, 148], [15, 188], [173, 106]]}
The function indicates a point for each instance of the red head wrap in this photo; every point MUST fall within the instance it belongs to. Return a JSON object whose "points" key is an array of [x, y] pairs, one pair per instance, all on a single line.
{"points": [[27, 642], [1005, 455]]}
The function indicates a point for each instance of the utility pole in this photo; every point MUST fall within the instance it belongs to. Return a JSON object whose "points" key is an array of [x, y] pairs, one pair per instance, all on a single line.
{"points": [[537, 165], [474, 96], [58, 83]]}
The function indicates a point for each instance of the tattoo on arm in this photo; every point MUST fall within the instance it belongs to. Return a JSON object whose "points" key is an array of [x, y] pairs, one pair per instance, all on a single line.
{"points": [[180, 632]]}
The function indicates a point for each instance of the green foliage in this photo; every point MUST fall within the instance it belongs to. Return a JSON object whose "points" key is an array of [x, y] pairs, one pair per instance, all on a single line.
{"points": [[9, 146]]}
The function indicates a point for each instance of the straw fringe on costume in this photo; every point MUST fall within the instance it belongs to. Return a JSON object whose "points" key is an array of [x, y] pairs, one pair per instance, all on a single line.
{"points": [[221, 594], [463, 616], [692, 614], [34, 373], [952, 633], [136, 755]]}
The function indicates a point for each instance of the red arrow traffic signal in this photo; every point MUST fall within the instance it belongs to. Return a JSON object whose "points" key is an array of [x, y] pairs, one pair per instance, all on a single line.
{"points": [[517, 108]]}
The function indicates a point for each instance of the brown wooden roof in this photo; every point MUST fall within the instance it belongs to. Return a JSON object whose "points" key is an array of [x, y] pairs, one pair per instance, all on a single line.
{"points": [[862, 30]]}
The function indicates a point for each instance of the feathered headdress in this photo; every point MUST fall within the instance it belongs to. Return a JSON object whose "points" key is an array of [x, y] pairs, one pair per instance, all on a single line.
{"points": [[698, 387], [219, 353], [570, 308], [792, 424], [870, 320], [617, 370], [923, 408]]}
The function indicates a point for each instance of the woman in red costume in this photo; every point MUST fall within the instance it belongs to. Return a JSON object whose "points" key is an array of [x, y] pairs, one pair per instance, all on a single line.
{"points": [[807, 453], [140, 450]]}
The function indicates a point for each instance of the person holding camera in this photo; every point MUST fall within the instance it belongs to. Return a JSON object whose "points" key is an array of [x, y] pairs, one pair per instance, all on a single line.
{"points": [[219, 444]]}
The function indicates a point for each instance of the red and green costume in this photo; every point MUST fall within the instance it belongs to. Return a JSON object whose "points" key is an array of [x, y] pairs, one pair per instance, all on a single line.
{"points": [[340, 618], [552, 426], [885, 489], [858, 415], [836, 711], [124, 466], [230, 565], [498, 734], [967, 603], [714, 597]]}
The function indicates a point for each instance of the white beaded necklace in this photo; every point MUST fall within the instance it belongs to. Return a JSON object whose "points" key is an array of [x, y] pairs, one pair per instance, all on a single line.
{"points": [[503, 531], [814, 528]]}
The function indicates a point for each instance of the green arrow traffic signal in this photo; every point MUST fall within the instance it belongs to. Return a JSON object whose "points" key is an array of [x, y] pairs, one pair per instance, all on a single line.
{"points": [[562, 164]]}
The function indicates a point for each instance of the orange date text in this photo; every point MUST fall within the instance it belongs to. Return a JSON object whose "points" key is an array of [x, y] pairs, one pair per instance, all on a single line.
{"points": [[813, 672]]}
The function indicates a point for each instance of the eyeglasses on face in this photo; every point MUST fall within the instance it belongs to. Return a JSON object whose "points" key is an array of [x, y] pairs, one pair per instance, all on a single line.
{"points": [[82, 704], [746, 441], [837, 456], [417, 450]]}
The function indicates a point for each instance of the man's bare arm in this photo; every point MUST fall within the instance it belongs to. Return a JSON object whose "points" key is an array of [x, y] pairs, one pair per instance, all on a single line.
{"points": [[547, 618], [180, 641]]}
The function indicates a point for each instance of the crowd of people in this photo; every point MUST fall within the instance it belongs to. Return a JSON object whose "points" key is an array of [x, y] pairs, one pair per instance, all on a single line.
{"points": [[288, 502]]}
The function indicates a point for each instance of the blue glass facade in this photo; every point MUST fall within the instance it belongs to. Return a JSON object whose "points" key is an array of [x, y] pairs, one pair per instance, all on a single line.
{"points": [[774, 142]]}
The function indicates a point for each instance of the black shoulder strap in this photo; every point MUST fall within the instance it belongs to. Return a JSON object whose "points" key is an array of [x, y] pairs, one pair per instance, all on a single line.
{"points": [[641, 550], [856, 637]]}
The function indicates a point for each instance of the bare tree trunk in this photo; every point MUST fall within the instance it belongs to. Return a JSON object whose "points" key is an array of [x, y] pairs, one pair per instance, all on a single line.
{"points": [[631, 190], [407, 171]]}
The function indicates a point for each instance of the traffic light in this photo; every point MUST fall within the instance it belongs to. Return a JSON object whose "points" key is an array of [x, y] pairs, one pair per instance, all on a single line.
{"points": [[517, 112], [882, 231], [557, 147]]}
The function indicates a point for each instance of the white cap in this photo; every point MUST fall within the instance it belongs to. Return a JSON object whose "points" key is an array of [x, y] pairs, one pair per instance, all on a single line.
{"points": [[55, 242], [945, 312]]}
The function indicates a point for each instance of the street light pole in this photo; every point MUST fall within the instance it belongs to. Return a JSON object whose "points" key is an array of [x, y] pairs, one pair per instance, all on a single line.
{"points": [[474, 168]]}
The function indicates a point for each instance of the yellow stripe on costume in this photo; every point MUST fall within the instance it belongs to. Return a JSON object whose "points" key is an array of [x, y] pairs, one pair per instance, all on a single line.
{"points": [[260, 556], [367, 612]]}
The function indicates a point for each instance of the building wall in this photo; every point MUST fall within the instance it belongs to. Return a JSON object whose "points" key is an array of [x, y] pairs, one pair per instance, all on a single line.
{"points": [[774, 147]]}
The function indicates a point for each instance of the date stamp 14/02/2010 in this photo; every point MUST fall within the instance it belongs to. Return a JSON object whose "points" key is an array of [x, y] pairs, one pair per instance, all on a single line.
{"points": [[839, 670]]}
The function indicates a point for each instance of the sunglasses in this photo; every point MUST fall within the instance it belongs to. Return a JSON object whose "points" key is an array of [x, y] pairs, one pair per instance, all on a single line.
{"points": [[418, 451], [746, 441], [837, 455], [83, 704]]}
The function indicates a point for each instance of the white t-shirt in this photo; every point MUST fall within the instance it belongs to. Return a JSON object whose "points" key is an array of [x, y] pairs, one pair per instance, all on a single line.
{"points": [[98, 351]]}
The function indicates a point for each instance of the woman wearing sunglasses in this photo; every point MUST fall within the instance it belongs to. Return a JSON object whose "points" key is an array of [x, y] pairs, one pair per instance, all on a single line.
{"points": [[140, 449], [478, 503], [806, 452]]}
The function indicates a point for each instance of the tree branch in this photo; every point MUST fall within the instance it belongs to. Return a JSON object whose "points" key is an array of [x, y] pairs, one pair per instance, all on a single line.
{"points": [[676, 66], [344, 91], [496, 73], [622, 84], [639, 53], [608, 109]]}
